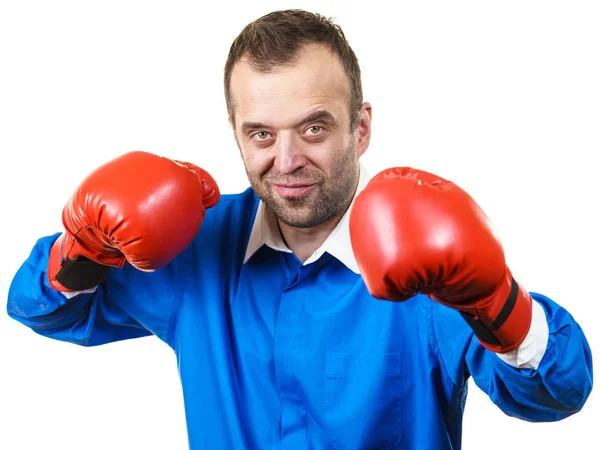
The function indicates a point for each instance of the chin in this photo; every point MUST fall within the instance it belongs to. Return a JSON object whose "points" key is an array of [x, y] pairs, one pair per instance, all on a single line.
{"points": [[299, 222], [293, 212]]}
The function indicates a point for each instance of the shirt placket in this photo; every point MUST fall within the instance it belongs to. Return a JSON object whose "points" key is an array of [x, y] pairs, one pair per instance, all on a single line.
{"points": [[287, 356]]}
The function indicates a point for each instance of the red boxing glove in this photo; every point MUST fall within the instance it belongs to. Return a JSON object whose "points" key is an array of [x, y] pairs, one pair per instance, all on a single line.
{"points": [[138, 208], [414, 232]]}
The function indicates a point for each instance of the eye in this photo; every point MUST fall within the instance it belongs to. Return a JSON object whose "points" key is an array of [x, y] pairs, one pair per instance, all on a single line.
{"points": [[261, 135], [315, 129]]}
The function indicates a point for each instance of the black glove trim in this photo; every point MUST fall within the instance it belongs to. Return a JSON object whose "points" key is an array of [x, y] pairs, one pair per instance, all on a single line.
{"points": [[81, 273], [485, 333]]}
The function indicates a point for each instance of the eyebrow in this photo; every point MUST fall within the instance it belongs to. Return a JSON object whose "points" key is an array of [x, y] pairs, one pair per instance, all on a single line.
{"points": [[317, 116]]}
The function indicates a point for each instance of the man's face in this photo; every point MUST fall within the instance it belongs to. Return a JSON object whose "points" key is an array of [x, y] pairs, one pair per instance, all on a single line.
{"points": [[293, 130]]}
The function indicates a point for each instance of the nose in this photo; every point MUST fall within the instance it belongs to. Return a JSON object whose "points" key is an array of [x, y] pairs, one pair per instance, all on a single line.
{"points": [[289, 156]]}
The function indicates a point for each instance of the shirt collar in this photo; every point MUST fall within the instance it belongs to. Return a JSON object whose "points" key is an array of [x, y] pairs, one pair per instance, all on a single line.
{"points": [[265, 231]]}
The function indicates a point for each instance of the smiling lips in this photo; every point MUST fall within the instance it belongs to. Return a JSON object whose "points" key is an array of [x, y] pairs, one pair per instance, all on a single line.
{"points": [[293, 189]]}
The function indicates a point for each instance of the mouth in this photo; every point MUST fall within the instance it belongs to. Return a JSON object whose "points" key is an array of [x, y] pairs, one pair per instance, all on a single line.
{"points": [[294, 189]]}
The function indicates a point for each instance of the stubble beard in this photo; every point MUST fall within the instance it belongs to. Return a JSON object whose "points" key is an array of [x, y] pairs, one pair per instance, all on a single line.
{"points": [[327, 200]]}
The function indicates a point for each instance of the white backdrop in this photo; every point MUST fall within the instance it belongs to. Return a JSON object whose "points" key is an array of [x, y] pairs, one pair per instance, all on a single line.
{"points": [[501, 97]]}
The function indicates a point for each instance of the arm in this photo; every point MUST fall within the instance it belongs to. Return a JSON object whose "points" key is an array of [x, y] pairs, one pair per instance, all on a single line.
{"points": [[540, 390], [109, 275], [416, 233], [127, 304]]}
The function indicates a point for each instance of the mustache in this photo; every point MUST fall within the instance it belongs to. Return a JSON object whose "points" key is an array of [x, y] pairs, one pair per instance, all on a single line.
{"points": [[301, 176]]}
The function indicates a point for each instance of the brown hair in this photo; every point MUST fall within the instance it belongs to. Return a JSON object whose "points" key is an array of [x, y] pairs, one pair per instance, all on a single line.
{"points": [[276, 38]]}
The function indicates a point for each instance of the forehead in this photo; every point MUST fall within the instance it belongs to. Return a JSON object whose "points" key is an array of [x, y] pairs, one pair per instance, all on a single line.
{"points": [[315, 79]]}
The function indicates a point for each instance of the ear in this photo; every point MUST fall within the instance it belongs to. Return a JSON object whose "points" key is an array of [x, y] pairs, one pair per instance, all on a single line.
{"points": [[363, 129]]}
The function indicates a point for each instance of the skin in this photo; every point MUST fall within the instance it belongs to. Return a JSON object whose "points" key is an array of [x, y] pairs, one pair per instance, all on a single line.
{"points": [[292, 127]]}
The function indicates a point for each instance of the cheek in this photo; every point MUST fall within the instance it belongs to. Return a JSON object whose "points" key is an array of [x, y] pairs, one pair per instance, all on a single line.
{"points": [[327, 158], [257, 163]]}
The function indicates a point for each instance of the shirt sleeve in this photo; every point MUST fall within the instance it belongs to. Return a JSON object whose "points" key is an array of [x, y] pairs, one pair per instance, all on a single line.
{"points": [[555, 387], [128, 304]]}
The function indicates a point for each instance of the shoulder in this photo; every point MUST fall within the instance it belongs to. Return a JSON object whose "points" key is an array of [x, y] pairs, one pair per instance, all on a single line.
{"points": [[226, 228], [238, 208], [231, 217]]}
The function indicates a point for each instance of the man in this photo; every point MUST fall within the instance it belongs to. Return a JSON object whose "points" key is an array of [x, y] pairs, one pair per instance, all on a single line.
{"points": [[319, 308]]}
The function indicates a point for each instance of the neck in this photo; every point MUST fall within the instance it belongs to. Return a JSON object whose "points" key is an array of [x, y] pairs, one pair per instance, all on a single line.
{"points": [[305, 241]]}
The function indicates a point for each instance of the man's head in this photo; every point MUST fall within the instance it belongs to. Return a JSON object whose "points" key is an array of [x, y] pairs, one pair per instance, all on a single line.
{"points": [[294, 98]]}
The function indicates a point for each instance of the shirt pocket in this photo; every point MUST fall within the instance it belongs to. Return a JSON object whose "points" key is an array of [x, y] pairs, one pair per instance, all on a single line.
{"points": [[363, 400]]}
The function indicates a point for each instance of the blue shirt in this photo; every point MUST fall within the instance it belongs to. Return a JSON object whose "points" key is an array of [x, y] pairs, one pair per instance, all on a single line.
{"points": [[274, 353]]}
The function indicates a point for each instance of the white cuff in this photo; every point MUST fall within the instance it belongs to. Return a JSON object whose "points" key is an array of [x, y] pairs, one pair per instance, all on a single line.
{"points": [[70, 295], [531, 351]]}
